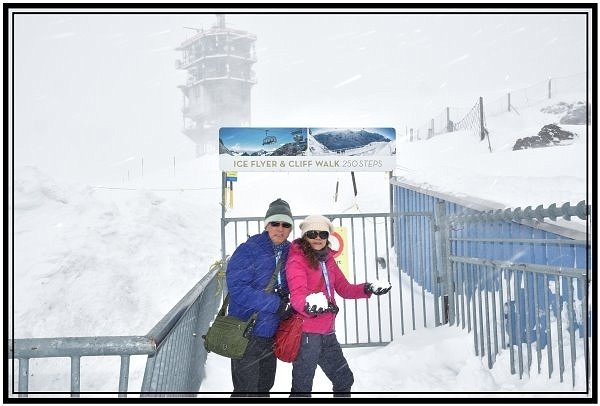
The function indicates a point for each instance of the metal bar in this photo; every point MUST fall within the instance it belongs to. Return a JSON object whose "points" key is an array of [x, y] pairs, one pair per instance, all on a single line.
{"points": [[527, 328], [389, 276], [75, 376], [481, 316], [377, 275], [516, 279], [345, 301], [223, 223], [461, 269], [537, 324], [557, 241], [23, 377], [402, 241], [435, 272], [494, 314], [487, 321], [463, 295], [124, 376], [148, 374], [561, 356], [82, 346], [469, 298], [548, 325], [364, 239], [411, 272], [475, 318], [501, 306], [552, 270], [421, 267], [354, 267], [571, 327], [511, 328]]}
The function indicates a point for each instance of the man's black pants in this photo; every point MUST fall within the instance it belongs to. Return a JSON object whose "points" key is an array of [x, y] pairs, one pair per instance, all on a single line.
{"points": [[254, 374]]}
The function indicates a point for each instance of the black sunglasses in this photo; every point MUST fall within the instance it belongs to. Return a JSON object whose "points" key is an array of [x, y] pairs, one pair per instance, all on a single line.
{"points": [[312, 234], [279, 223]]}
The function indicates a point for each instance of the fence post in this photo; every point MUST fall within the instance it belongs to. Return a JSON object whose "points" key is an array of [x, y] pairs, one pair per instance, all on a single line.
{"points": [[482, 129], [550, 88], [223, 224], [432, 128], [445, 279]]}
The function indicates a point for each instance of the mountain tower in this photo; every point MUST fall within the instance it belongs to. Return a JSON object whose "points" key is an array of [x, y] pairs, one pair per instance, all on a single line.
{"points": [[220, 77]]}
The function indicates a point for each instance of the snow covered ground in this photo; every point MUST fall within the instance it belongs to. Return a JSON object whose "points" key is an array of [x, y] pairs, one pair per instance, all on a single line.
{"points": [[112, 259]]}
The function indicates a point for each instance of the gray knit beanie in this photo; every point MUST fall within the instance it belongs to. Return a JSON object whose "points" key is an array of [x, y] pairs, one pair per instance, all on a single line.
{"points": [[279, 210]]}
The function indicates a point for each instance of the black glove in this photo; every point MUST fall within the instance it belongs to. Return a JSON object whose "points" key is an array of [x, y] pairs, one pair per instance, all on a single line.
{"points": [[333, 308], [285, 309], [283, 294], [312, 310], [379, 291]]}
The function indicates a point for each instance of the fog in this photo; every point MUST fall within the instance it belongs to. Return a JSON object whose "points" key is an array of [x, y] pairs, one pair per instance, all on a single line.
{"points": [[96, 97]]}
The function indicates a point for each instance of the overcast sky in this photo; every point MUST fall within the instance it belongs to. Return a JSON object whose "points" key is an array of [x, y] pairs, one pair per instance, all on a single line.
{"points": [[96, 93]]}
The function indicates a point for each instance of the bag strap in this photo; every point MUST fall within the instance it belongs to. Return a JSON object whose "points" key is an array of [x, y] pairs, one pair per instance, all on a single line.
{"points": [[268, 288], [326, 277], [277, 269]]}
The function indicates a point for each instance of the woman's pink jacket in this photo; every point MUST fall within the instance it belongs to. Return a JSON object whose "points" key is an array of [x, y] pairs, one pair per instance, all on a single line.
{"points": [[303, 280]]}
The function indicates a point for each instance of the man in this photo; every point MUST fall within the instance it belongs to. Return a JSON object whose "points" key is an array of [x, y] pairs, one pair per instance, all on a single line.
{"points": [[250, 270]]}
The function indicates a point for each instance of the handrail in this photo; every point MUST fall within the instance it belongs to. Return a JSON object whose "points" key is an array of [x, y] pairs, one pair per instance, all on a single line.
{"points": [[162, 328], [82, 346], [564, 229], [151, 344]]}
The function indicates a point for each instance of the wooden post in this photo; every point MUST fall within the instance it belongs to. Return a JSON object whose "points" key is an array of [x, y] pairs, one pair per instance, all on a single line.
{"points": [[481, 128], [432, 128]]}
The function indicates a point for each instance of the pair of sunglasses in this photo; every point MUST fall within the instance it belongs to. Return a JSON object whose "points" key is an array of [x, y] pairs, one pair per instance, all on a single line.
{"points": [[280, 223], [312, 234]]}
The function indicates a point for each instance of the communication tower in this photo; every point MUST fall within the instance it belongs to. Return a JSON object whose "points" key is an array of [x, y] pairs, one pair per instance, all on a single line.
{"points": [[219, 80]]}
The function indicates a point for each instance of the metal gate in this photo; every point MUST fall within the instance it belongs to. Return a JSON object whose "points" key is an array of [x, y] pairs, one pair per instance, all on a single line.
{"points": [[366, 244]]}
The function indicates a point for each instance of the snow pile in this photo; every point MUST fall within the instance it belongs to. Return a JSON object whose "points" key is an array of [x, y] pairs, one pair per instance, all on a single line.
{"points": [[93, 261]]}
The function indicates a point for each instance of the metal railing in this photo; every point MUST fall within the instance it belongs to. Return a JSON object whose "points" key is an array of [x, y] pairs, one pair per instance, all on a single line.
{"points": [[176, 354], [519, 288], [74, 348], [514, 281]]}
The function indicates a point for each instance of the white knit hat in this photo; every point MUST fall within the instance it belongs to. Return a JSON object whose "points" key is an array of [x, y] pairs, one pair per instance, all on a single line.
{"points": [[316, 222]]}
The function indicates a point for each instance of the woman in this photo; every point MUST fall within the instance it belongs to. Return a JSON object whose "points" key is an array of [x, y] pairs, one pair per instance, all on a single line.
{"points": [[312, 271]]}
